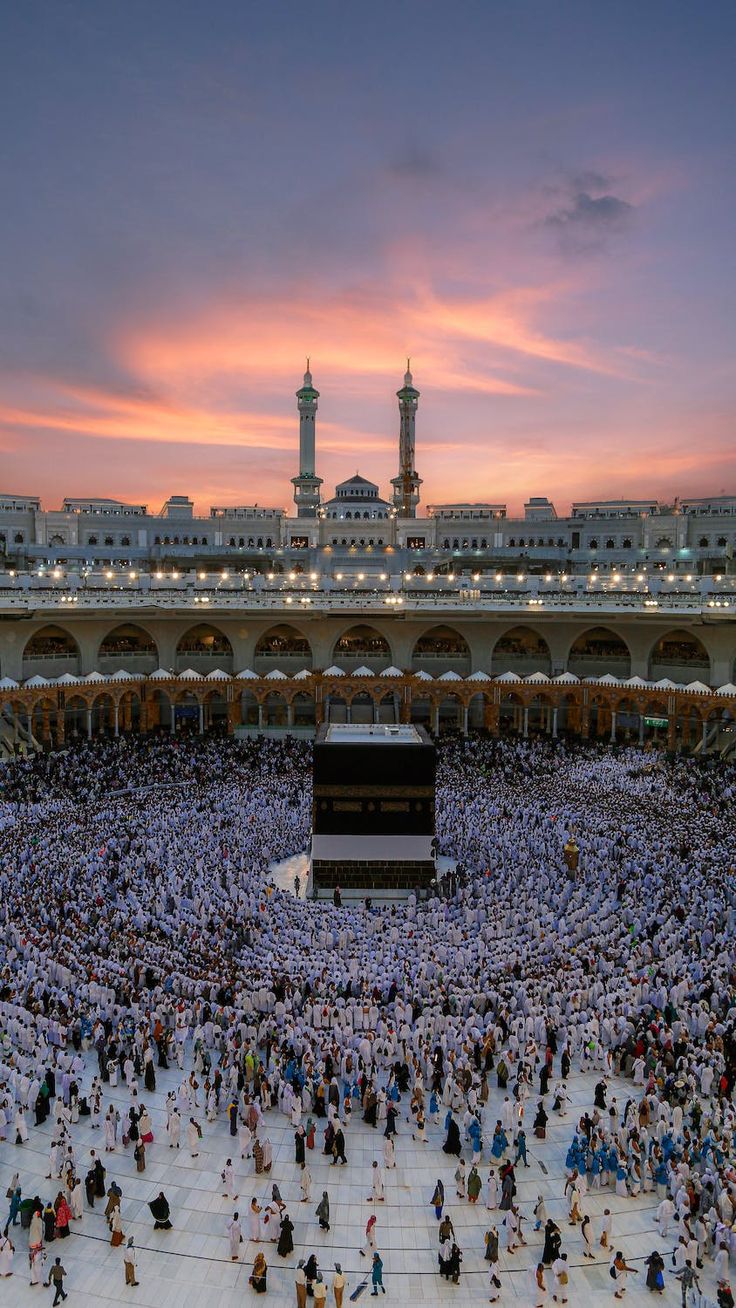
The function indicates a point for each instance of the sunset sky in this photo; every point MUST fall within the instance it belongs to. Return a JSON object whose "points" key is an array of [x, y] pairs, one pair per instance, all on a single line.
{"points": [[534, 200]]}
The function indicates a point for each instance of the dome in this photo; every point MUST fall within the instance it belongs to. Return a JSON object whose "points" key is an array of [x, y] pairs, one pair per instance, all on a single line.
{"points": [[357, 494]]}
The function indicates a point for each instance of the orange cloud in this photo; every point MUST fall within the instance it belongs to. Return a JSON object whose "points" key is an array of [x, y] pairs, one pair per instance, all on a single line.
{"points": [[364, 335]]}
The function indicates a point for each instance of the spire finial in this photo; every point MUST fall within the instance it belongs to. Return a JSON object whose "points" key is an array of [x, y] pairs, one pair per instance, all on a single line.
{"points": [[407, 375]]}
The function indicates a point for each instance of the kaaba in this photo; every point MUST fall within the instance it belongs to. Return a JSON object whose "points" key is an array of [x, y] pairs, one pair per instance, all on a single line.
{"points": [[373, 814]]}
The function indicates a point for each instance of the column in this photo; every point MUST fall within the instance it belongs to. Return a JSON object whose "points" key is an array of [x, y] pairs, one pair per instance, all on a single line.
{"points": [[672, 731], [116, 719], [260, 717], [436, 719], [613, 726], [201, 718], [290, 713], [465, 719], [348, 711], [172, 727], [526, 721], [641, 728], [705, 733], [554, 722], [375, 710], [89, 723]]}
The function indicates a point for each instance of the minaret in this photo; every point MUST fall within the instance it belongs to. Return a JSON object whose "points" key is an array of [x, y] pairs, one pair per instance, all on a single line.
{"points": [[406, 485], [306, 485]]}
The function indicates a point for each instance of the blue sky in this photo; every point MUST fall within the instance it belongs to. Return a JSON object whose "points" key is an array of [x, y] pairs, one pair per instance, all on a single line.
{"points": [[535, 201]]}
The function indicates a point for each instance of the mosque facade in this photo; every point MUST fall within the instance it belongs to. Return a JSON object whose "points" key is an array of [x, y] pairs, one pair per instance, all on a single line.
{"points": [[358, 530], [617, 619]]}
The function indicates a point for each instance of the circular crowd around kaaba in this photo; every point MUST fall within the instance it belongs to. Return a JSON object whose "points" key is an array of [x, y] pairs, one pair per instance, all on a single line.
{"points": [[143, 932]]}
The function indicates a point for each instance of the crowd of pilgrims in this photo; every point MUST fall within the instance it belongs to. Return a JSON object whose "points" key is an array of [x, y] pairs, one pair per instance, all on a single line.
{"points": [[141, 930]]}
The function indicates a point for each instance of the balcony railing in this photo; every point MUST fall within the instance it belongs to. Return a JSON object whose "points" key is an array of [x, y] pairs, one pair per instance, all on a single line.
{"points": [[294, 602]]}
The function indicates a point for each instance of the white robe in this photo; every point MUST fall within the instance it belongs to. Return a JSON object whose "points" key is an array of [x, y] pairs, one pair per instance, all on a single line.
{"points": [[6, 1256], [234, 1234]]}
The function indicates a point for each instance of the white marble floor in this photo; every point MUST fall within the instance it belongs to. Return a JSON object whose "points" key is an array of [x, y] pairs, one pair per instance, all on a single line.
{"points": [[190, 1265]]}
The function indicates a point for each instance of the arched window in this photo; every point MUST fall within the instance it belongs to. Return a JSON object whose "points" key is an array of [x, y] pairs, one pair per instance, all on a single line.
{"points": [[54, 646], [593, 545], [204, 540], [362, 643], [129, 641], [598, 651], [722, 542], [269, 543], [627, 543], [610, 543], [125, 540], [109, 540], [703, 543], [157, 541], [284, 649], [441, 649], [204, 642], [521, 650], [18, 538], [680, 656], [92, 540], [250, 542], [241, 542]]}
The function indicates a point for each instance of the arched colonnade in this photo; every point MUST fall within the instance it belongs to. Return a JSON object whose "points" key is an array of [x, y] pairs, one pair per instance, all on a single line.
{"points": [[677, 718]]}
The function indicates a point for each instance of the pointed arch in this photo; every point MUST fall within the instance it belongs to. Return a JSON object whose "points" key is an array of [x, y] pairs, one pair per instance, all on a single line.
{"points": [[441, 649], [283, 648], [50, 652], [361, 644], [679, 655], [599, 651], [130, 647], [522, 650], [204, 647]]}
